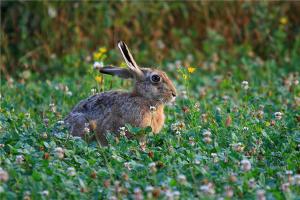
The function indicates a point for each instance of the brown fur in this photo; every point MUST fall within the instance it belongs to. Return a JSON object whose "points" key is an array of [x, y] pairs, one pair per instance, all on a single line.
{"points": [[108, 111]]}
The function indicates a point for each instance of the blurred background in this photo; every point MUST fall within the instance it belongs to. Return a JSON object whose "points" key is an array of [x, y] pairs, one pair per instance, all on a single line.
{"points": [[44, 39]]}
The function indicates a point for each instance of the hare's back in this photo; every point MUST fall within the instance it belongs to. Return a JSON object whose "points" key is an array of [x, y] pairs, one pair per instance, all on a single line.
{"points": [[99, 102]]}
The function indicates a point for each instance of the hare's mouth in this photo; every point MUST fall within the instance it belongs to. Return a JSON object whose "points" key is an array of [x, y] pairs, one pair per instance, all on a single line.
{"points": [[172, 99]]}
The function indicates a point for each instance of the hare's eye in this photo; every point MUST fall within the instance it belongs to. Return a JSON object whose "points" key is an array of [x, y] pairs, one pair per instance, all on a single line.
{"points": [[155, 78]]}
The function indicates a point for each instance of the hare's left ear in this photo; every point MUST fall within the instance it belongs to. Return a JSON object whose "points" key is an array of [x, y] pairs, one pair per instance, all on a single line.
{"points": [[129, 60], [116, 71]]}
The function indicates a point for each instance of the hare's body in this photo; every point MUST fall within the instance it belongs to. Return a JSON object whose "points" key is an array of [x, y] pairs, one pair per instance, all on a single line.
{"points": [[109, 111]]}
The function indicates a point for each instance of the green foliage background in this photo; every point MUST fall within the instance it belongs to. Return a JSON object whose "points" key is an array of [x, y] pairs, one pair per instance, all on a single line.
{"points": [[40, 36], [47, 53]]}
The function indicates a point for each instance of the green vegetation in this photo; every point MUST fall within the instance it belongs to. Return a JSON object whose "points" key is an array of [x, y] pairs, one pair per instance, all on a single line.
{"points": [[233, 132]]}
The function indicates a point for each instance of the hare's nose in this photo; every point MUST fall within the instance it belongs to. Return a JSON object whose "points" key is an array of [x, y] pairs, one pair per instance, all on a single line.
{"points": [[173, 94]]}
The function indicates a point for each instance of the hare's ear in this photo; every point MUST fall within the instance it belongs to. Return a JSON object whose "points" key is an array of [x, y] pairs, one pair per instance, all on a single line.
{"points": [[129, 60], [116, 71]]}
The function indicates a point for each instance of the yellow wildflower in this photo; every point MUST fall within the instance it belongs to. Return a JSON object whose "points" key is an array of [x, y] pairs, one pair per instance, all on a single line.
{"points": [[97, 55], [184, 76], [123, 64], [283, 20], [100, 53], [98, 79], [191, 69], [102, 50]]}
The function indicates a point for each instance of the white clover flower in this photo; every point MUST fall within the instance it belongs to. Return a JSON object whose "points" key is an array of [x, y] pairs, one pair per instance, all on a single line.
{"points": [[86, 130], [52, 12], [252, 183], [183, 94], [197, 161], [98, 65], [52, 107], [206, 133], [245, 85], [65, 88], [215, 157], [149, 188], [59, 152], [174, 127], [152, 167], [122, 131], [93, 91], [238, 147], [169, 194], [44, 135], [278, 115], [176, 194], [190, 57], [178, 63], [45, 193], [285, 187], [143, 145], [128, 165], [297, 179], [207, 140], [2, 145], [228, 191], [19, 159], [245, 128], [71, 171], [26, 197], [88, 58], [69, 93], [192, 141], [160, 44], [171, 66], [137, 190], [178, 126], [27, 115], [138, 195], [3, 175], [260, 113], [245, 165], [288, 172], [60, 122], [260, 195], [181, 179], [207, 189], [46, 121], [113, 198]]}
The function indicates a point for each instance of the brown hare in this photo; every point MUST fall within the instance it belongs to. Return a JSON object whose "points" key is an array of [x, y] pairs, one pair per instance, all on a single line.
{"points": [[108, 111]]}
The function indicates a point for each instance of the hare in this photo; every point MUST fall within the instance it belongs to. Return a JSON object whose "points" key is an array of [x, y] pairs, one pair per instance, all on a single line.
{"points": [[109, 111]]}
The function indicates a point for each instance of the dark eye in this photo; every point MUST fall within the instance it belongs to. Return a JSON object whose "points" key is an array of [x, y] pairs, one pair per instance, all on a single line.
{"points": [[155, 78]]}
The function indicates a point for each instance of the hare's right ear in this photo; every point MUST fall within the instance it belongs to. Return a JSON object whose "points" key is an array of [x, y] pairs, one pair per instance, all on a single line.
{"points": [[129, 60], [116, 71]]}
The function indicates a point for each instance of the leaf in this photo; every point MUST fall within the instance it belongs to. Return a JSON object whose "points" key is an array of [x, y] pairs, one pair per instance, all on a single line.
{"points": [[36, 176]]}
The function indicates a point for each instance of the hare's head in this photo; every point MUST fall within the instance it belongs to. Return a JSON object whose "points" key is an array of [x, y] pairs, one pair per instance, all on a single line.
{"points": [[152, 84]]}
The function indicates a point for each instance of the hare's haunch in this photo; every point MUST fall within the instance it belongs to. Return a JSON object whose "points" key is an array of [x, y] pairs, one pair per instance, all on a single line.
{"points": [[108, 111]]}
